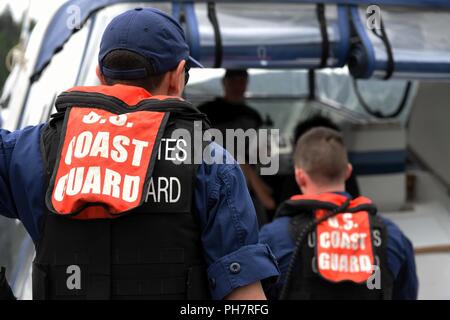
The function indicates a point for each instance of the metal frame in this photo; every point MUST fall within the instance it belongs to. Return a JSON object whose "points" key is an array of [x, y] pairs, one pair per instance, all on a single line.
{"points": [[408, 3]]}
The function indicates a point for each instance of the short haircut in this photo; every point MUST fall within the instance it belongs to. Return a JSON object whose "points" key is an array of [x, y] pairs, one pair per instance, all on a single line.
{"points": [[122, 59], [231, 73], [321, 153], [313, 122]]}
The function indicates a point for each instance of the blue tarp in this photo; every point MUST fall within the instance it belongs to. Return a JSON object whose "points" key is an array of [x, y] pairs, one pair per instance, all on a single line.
{"points": [[269, 35], [57, 33], [294, 52], [409, 3], [284, 54], [420, 46]]}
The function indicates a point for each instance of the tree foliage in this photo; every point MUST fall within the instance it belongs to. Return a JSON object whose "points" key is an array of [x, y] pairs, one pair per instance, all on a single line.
{"points": [[9, 37]]}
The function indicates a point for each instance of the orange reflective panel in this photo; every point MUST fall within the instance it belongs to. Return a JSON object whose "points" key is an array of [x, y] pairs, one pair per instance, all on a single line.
{"points": [[344, 247], [104, 160]]}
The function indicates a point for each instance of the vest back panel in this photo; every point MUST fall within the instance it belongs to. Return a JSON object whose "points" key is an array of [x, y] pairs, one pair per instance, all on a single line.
{"points": [[151, 252], [306, 281]]}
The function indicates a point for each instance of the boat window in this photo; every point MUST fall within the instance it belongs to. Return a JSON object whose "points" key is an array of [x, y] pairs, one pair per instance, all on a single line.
{"points": [[60, 75]]}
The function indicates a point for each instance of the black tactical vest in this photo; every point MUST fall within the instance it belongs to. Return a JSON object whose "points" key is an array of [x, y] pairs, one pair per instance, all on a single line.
{"points": [[151, 252], [304, 281]]}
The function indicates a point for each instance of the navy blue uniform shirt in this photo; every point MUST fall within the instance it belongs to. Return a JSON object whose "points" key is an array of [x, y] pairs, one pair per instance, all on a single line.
{"points": [[400, 256], [225, 210]]}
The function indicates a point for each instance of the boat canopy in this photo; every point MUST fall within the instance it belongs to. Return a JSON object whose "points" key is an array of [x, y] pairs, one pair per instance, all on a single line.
{"points": [[414, 44], [405, 41]]}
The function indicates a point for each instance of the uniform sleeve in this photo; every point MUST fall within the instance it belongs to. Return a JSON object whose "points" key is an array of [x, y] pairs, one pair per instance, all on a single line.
{"points": [[233, 253], [7, 144], [276, 235], [401, 262], [22, 177], [406, 285]]}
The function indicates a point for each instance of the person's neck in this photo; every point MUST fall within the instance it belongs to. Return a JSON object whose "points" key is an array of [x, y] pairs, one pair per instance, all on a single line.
{"points": [[324, 189], [160, 92]]}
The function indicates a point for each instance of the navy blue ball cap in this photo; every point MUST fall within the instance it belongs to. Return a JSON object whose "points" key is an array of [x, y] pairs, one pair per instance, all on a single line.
{"points": [[150, 33]]}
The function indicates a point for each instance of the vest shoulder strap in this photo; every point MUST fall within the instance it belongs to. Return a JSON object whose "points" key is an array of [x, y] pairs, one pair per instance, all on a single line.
{"points": [[176, 107], [330, 202]]}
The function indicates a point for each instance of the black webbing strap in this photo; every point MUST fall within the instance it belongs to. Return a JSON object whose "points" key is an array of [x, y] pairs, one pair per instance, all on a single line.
{"points": [[382, 35], [299, 241], [312, 85], [212, 15], [321, 17], [379, 114]]}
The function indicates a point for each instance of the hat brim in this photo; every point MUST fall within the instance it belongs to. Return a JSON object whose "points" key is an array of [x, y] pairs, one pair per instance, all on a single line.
{"points": [[192, 63]]}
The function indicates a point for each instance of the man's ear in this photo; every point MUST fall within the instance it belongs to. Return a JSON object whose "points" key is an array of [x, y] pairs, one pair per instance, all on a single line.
{"points": [[349, 171], [300, 177], [100, 76], [176, 80]]}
